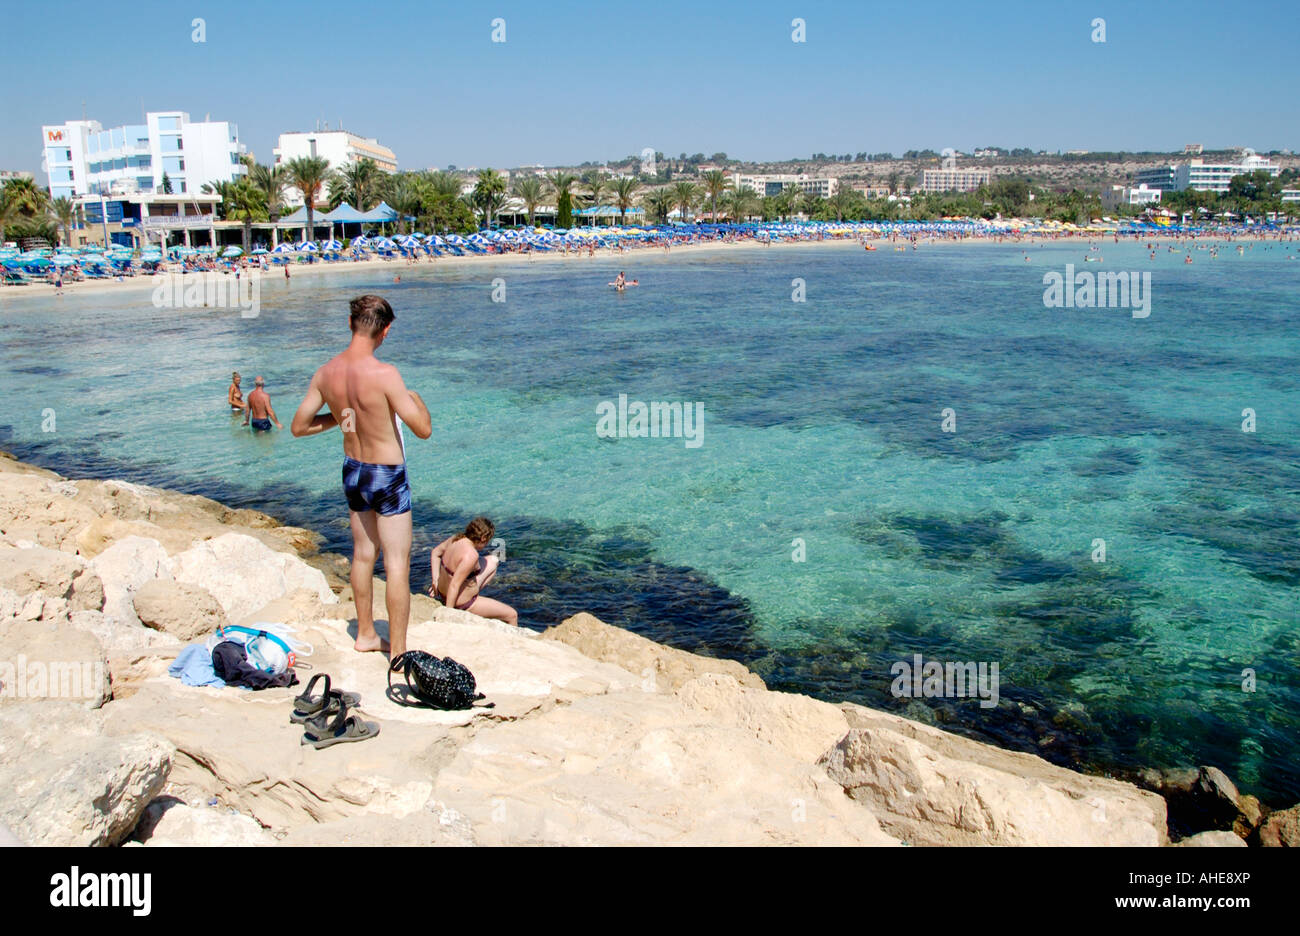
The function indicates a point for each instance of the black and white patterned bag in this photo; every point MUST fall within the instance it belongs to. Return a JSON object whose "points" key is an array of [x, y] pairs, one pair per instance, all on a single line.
{"points": [[438, 682]]}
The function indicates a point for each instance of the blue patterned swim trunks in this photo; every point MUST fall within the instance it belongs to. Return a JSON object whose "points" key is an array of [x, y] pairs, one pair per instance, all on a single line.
{"points": [[381, 488]]}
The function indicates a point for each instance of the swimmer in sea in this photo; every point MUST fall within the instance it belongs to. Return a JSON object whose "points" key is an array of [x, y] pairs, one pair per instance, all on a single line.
{"points": [[260, 411], [235, 396]]}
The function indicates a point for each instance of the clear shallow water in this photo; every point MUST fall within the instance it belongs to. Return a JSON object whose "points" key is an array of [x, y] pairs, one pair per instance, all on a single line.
{"points": [[822, 423]]}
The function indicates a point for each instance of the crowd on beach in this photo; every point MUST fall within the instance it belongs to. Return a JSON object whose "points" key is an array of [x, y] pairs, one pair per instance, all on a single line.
{"points": [[120, 263]]}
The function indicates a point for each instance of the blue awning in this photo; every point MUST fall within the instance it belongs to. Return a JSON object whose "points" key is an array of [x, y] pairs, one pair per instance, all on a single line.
{"points": [[381, 212], [345, 214]]}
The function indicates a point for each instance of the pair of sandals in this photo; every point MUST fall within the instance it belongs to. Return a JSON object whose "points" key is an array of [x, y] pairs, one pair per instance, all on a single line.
{"points": [[325, 717]]}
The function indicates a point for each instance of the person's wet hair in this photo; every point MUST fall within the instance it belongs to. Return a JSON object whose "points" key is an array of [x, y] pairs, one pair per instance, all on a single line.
{"points": [[370, 315]]}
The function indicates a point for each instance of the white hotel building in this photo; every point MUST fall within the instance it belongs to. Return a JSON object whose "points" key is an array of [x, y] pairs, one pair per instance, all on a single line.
{"points": [[82, 158], [774, 183], [1200, 176], [954, 180], [340, 148]]}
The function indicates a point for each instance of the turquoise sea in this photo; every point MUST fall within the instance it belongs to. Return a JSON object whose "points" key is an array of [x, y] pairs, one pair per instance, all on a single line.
{"points": [[822, 434]]}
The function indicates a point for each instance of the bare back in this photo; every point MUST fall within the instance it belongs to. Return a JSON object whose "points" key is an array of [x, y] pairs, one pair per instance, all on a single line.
{"points": [[357, 389], [259, 404]]}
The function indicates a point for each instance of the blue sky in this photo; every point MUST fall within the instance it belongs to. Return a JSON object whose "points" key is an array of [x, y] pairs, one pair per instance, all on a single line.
{"points": [[596, 81]]}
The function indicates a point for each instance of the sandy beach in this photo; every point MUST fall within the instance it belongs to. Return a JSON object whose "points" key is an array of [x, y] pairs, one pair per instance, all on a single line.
{"points": [[397, 267]]}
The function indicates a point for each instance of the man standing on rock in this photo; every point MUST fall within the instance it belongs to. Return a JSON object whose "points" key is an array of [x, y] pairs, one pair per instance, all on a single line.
{"points": [[369, 400]]}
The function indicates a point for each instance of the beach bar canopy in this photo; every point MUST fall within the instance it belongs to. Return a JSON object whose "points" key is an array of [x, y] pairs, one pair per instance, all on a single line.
{"points": [[608, 214], [345, 214], [380, 213]]}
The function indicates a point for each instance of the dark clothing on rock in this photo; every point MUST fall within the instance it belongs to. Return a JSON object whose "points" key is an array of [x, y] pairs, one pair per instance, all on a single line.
{"points": [[230, 662]]}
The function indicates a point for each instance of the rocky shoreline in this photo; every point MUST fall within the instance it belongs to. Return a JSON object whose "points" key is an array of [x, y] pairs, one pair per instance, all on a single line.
{"points": [[598, 736]]}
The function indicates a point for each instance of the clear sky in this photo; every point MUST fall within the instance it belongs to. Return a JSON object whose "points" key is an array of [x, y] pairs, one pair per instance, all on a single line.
{"points": [[574, 82]]}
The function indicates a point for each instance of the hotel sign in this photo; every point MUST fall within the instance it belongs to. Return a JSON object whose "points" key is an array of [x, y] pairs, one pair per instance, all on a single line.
{"points": [[176, 221], [54, 136]]}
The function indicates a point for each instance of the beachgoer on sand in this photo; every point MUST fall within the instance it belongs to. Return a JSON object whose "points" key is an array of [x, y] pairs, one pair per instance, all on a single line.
{"points": [[460, 573], [369, 400]]}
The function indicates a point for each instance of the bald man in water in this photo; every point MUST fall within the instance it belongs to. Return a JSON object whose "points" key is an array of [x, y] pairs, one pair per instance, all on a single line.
{"points": [[366, 397], [259, 409]]}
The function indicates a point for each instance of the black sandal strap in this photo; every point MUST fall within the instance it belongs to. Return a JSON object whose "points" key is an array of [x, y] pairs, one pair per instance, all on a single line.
{"points": [[306, 697]]}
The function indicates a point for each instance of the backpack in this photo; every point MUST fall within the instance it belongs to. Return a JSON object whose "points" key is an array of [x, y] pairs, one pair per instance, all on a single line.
{"points": [[438, 682]]}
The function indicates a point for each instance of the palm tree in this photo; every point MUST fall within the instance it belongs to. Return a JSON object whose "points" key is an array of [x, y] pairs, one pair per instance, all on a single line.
{"points": [[838, 202], [10, 211], [624, 195], [445, 185], [788, 200], [529, 188], [26, 196], [715, 183], [741, 202], [894, 178], [659, 203], [488, 193], [562, 184], [405, 193], [684, 196], [308, 174], [596, 185], [241, 200], [63, 212], [270, 181], [357, 183]]}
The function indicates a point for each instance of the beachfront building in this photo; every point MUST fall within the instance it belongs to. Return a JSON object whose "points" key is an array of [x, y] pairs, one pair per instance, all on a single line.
{"points": [[1129, 195], [82, 158], [772, 184], [954, 180], [1290, 195], [1200, 176], [340, 148], [871, 190], [1157, 177], [135, 219], [1204, 177]]}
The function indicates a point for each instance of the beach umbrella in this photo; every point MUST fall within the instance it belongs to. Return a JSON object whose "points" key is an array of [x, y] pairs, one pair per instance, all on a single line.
{"points": [[332, 245], [232, 251], [285, 247], [259, 251]]}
